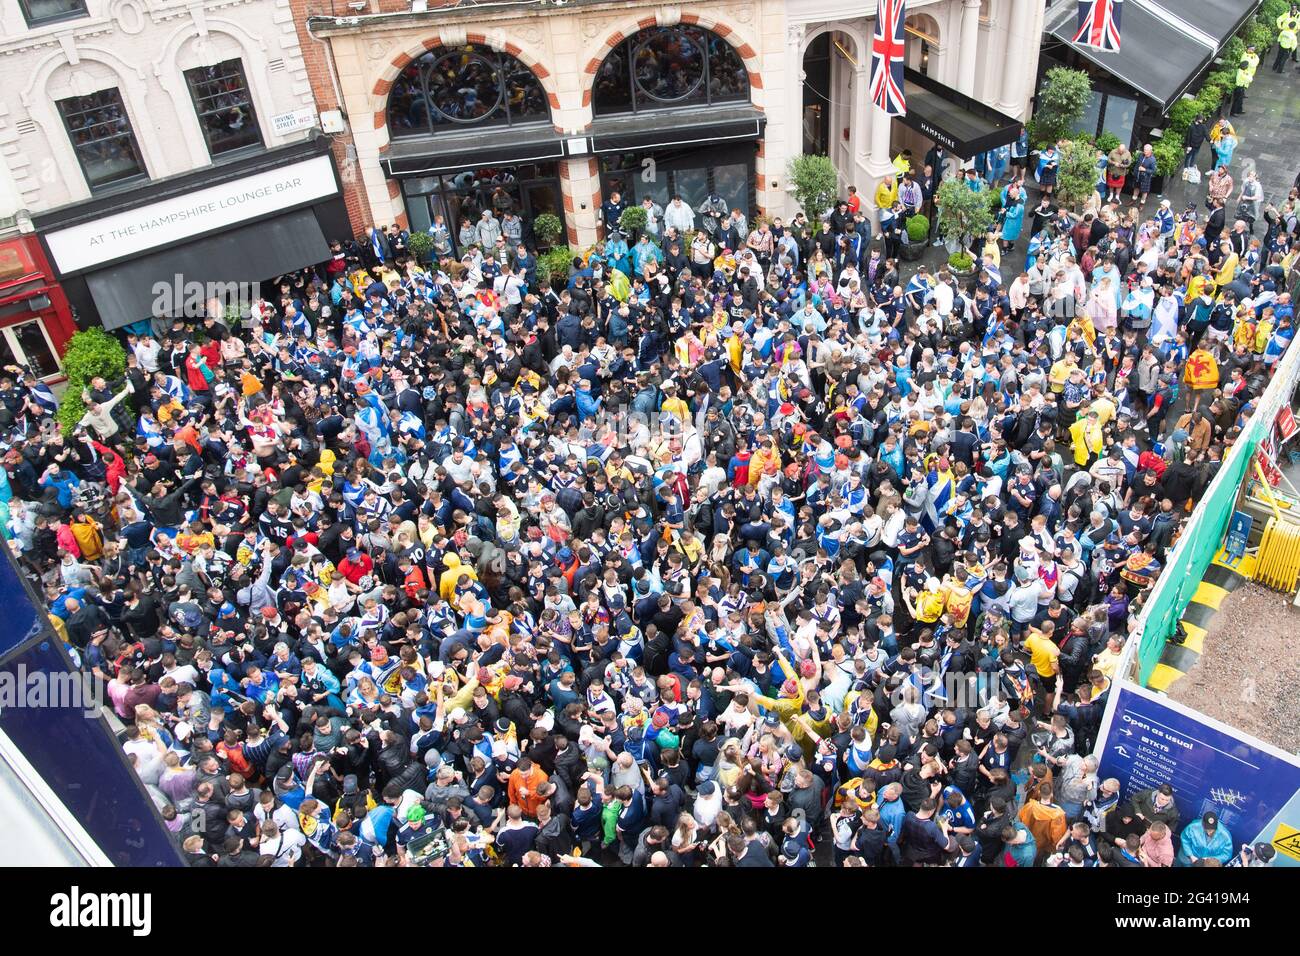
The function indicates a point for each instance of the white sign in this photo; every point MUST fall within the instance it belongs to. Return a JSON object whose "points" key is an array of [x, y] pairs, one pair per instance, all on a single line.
{"points": [[293, 120], [204, 210]]}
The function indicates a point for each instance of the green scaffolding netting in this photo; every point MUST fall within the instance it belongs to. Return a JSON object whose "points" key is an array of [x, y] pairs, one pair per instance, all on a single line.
{"points": [[1198, 544]]}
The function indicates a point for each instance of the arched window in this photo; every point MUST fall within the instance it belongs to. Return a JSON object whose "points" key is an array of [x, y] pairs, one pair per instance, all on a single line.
{"points": [[466, 86], [665, 67]]}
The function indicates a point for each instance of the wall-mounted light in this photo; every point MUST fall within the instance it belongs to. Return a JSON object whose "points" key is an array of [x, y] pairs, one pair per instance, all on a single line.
{"points": [[38, 303]]}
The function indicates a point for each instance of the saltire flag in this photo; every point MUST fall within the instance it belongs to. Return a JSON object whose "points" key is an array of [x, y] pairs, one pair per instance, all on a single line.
{"points": [[1099, 24], [378, 243], [887, 52]]}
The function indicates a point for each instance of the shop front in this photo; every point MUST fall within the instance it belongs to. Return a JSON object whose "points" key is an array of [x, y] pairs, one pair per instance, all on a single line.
{"points": [[471, 129], [214, 233], [35, 318]]}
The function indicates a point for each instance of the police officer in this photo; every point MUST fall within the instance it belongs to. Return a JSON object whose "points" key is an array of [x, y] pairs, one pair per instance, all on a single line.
{"points": [[1286, 40], [1290, 18], [1244, 78]]}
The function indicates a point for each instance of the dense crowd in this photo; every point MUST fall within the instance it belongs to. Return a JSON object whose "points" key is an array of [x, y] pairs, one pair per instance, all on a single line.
{"points": [[737, 548]]}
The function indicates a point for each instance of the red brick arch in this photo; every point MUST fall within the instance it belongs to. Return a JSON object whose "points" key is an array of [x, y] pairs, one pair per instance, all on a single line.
{"points": [[384, 85], [746, 52]]}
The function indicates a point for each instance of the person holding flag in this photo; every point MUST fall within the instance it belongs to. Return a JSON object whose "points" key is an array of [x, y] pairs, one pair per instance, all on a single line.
{"points": [[1200, 375]]}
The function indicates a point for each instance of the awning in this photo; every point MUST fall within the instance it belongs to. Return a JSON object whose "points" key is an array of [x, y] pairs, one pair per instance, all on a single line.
{"points": [[1165, 44], [126, 293], [1219, 19], [961, 125], [448, 151], [655, 129]]}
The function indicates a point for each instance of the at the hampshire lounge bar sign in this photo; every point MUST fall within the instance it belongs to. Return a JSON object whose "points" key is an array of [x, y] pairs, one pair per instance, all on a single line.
{"points": [[204, 210]]}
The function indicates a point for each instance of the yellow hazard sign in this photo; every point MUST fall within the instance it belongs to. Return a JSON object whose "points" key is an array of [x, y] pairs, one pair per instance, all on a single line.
{"points": [[1287, 840]]}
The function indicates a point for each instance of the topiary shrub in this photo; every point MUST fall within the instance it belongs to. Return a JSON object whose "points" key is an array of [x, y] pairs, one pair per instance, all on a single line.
{"points": [[553, 264], [961, 262], [90, 353], [1061, 100], [918, 228], [1076, 177], [420, 245], [547, 228], [962, 212], [815, 184], [633, 220]]}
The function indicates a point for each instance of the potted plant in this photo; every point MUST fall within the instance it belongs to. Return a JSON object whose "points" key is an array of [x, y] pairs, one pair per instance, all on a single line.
{"points": [[420, 245], [1060, 103], [963, 213], [916, 232], [547, 228], [633, 221], [814, 184], [1076, 177], [554, 263], [962, 264]]}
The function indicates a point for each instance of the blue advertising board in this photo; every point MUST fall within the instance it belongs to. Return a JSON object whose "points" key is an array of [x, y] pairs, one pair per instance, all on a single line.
{"points": [[1152, 740], [74, 751]]}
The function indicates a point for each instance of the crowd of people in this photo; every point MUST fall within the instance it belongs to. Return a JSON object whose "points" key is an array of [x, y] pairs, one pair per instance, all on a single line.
{"points": [[747, 555]]}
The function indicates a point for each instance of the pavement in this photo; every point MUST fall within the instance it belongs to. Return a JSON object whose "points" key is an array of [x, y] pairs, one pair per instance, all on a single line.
{"points": [[1269, 135]]}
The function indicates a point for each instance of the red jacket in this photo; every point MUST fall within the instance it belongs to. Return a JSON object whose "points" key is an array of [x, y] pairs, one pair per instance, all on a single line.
{"points": [[194, 376]]}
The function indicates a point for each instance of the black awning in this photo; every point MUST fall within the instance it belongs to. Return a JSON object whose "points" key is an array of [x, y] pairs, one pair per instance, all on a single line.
{"points": [[961, 125], [1162, 49], [656, 129], [448, 152], [126, 292], [1218, 18]]}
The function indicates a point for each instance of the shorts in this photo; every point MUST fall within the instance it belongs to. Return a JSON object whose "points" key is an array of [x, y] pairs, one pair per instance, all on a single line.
{"points": [[1215, 335]]}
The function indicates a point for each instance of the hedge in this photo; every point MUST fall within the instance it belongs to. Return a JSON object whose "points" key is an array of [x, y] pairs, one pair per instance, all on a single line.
{"points": [[1259, 32], [90, 353]]}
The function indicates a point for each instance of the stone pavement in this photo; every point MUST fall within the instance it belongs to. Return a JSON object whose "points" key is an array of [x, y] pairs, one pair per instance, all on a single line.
{"points": [[1269, 134]]}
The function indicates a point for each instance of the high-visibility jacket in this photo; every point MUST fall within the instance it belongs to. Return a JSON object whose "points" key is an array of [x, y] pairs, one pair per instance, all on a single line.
{"points": [[1252, 61], [1287, 38], [1244, 77], [1288, 19]]}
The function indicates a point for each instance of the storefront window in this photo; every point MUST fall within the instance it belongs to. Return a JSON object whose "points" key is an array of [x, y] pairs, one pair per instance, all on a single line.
{"points": [[465, 86], [669, 67], [39, 12], [460, 198], [692, 175], [225, 107], [101, 134]]}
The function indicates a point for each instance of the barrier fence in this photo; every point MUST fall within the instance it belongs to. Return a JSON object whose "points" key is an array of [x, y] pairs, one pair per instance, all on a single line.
{"points": [[1203, 533]]}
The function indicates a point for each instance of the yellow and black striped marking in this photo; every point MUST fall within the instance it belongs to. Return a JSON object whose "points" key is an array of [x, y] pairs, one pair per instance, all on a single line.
{"points": [[1219, 581]]}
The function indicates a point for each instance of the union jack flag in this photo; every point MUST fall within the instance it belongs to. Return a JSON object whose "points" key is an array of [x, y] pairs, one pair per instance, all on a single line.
{"points": [[887, 58], [1099, 24]]}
